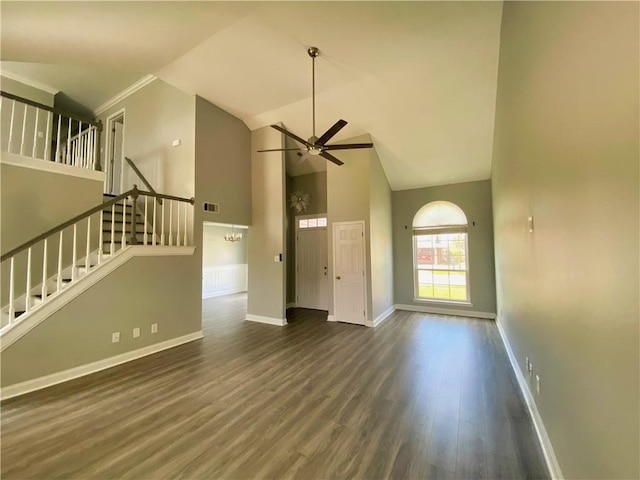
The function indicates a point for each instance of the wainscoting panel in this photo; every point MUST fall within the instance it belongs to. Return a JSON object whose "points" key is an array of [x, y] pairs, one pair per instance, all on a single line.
{"points": [[224, 280]]}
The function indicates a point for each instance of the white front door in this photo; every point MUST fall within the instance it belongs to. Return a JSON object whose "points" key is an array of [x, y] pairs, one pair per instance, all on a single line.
{"points": [[348, 270], [311, 269]]}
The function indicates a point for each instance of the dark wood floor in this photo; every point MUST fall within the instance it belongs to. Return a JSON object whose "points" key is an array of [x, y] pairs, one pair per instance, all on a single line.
{"points": [[420, 396]]}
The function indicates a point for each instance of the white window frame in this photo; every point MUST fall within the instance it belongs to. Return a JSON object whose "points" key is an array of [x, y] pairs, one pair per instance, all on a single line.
{"points": [[307, 217], [416, 287]]}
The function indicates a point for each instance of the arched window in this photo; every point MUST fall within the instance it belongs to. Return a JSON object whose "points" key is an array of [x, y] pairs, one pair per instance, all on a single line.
{"points": [[441, 261]]}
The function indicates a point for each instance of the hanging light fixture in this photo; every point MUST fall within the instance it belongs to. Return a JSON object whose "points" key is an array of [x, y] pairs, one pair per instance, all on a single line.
{"points": [[233, 236]]}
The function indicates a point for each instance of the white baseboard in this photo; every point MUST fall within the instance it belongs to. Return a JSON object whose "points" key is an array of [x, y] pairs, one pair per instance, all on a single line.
{"points": [[331, 318], [445, 311], [59, 299], [543, 437], [384, 315], [281, 322], [222, 293], [76, 372]]}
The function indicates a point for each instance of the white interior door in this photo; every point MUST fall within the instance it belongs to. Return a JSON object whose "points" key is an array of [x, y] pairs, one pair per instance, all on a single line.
{"points": [[311, 269], [349, 273], [115, 155]]}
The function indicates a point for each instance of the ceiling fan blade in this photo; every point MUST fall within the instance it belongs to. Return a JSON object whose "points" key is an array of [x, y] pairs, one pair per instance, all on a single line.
{"points": [[326, 136], [346, 146], [282, 150], [292, 135], [331, 158]]}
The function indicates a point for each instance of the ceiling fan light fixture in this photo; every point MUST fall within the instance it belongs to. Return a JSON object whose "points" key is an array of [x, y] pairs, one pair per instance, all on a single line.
{"points": [[315, 151]]}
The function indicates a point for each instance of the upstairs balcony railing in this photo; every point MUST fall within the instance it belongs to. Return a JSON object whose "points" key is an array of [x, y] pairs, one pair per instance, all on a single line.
{"points": [[38, 131]]}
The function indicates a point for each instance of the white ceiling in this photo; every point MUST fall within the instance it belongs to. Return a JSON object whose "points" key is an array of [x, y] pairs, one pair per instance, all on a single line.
{"points": [[419, 77]]}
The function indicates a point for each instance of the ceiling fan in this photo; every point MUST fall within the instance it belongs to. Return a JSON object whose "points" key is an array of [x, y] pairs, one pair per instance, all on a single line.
{"points": [[314, 145]]}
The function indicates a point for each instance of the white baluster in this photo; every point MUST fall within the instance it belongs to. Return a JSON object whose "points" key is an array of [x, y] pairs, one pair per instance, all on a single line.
{"points": [[47, 140], [44, 270], [100, 237], [162, 231], [13, 114], [58, 157], [35, 134], [186, 207], [154, 236], [24, 128], [68, 159], [78, 144], [59, 282], [12, 307], [171, 223], [75, 252], [112, 247], [90, 138], [144, 237], [178, 229], [87, 263], [123, 240], [27, 299]]}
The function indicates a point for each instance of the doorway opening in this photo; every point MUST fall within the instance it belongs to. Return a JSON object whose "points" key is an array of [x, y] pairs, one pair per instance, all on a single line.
{"points": [[114, 164], [312, 283], [224, 259]]}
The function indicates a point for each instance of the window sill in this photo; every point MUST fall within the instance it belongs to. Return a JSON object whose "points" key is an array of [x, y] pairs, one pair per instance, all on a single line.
{"points": [[443, 302]]}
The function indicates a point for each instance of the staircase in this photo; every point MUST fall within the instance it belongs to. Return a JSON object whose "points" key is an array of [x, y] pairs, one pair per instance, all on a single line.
{"points": [[112, 218], [122, 225]]}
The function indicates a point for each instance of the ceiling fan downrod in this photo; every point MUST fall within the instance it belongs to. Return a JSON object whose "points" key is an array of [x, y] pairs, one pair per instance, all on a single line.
{"points": [[313, 53]]}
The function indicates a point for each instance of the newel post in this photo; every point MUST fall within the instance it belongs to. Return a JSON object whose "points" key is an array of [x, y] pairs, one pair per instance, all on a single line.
{"points": [[134, 215]]}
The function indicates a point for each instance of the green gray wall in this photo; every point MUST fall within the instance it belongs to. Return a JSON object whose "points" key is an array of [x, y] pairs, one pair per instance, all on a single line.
{"points": [[566, 152], [267, 234], [381, 238], [80, 332], [155, 116], [222, 165], [217, 252], [33, 201], [474, 198], [315, 184], [20, 89]]}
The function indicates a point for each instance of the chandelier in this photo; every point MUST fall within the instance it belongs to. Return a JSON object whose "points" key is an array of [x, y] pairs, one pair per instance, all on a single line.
{"points": [[233, 236]]}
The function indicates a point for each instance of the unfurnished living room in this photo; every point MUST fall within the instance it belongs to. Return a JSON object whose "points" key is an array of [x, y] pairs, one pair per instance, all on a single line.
{"points": [[318, 240]]}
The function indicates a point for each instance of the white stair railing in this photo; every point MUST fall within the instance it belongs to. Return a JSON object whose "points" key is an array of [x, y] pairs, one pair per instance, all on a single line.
{"points": [[45, 133], [57, 249]]}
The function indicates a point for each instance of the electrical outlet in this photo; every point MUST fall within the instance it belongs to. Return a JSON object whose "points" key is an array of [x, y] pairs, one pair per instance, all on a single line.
{"points": [[526, 362], [136, 332], [538, 384], [115, 337], [530, 367], [154, 328], [40, 134]]}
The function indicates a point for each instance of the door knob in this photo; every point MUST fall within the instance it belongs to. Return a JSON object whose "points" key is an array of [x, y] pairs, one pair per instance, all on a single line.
{"points": [[338, 278]]}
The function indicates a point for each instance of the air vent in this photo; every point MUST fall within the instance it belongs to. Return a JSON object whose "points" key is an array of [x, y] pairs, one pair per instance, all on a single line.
{"points": [[212, 207]]}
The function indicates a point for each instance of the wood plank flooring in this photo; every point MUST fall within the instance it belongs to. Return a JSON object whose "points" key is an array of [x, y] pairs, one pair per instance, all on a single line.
{"points": [[420, 396]]}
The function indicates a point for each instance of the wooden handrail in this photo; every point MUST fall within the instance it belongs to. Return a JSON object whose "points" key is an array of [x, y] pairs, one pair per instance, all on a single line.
{"points": [[73, 116], [142, 177], [133, 192]]}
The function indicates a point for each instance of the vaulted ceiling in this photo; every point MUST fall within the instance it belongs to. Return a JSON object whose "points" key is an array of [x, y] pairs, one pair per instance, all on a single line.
{"points": [[419, 77]]}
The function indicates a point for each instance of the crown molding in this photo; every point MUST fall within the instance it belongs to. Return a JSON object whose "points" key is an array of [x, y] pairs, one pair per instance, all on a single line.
{"points": [[30, 83], [130, 90]]}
